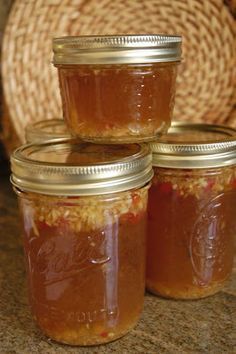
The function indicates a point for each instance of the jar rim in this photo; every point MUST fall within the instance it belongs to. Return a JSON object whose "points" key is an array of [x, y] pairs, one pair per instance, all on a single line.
{"points": [[173, 151], [117, 49], [44, 167]]}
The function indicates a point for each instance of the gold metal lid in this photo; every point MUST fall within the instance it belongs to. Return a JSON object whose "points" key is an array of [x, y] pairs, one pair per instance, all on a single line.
{"points": [[122, 49], [195, 146], [46, 130], [66, 167]]}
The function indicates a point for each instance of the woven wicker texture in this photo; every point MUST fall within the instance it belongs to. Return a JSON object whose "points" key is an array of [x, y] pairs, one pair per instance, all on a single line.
{"points": [[206, 81]]}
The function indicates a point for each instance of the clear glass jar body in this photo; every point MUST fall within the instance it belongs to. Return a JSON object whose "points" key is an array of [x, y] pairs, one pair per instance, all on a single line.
{"points": [[46, 130], [86, 263], [191, 226], [118, 103]]}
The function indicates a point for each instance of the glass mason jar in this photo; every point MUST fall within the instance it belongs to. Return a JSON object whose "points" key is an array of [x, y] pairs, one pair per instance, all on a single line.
{"points": [[117, 88], [83, 209], [46, 130], [191, 211]]}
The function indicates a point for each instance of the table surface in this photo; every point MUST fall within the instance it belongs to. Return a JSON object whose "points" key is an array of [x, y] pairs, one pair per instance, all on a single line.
{"points": [[166, 326]]}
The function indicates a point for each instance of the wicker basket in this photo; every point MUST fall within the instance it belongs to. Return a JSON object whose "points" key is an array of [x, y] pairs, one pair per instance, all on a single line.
{"points": [[206, 81]]}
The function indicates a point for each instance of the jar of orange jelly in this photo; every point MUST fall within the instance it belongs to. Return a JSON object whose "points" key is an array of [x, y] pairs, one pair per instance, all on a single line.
{"points": [[83, 209], [46, 130], [117, 89], [192, 211]]}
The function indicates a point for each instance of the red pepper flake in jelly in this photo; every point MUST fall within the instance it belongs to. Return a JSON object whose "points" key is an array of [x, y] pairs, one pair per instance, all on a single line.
{"points": [[165, 187], [104, 334], [234, 183]]}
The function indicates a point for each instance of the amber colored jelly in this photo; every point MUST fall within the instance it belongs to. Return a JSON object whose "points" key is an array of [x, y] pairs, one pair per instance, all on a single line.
{"points": [[118, 103], [85, 259], [191, 226]]}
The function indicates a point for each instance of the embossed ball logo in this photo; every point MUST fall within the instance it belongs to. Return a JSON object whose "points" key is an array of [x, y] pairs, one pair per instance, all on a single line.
{"points": [[66, 255], [210, 238]]}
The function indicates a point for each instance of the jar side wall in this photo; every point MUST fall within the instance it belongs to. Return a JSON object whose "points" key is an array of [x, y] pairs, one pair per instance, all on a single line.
{"points": [[118, 102], [191, 228], [86, 260]]}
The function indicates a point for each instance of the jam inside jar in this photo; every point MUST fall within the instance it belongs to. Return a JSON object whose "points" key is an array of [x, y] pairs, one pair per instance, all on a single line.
{"points": [[85, 259], [118, 103], [84, 211], [117, 89], [191, 228]]}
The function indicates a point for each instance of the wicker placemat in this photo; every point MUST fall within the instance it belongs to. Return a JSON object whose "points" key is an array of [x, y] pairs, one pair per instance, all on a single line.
{"points": [[206, 81]]}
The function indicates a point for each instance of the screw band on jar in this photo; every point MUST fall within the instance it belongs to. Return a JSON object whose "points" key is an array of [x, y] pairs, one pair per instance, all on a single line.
{"points": [[195, 146], [66, 167], [126, 49]]}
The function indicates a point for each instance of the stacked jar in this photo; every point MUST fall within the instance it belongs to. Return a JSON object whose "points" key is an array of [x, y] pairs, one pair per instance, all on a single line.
{"points": [[84, 204], [117, 89]]}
